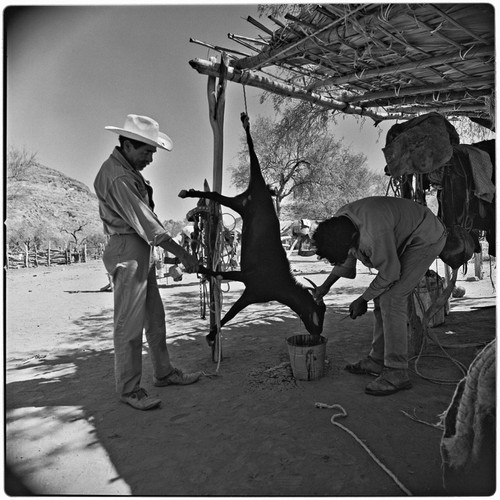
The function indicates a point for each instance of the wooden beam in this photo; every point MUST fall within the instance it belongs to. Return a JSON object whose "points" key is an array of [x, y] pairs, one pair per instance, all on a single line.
{"points": [[254, 80]]}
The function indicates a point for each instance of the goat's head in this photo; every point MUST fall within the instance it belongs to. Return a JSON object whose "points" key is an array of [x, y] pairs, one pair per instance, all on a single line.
{"points": [[313, 312]]}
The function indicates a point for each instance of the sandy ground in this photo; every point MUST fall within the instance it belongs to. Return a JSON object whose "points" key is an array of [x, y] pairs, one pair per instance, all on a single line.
{"points": [[251, 430]]}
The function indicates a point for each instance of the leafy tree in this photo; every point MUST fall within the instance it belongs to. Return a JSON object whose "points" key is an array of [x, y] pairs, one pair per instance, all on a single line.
{"points": [[279, 10], [27, 235], [311, 172], [96, 239]]}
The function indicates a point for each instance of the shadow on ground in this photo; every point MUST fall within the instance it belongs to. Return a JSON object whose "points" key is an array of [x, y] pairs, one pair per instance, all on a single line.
{"points": [[252, 429]]}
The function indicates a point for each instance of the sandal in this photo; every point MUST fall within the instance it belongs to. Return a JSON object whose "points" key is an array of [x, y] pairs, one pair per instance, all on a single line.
{"points": [[366, 366], [390, 381]]}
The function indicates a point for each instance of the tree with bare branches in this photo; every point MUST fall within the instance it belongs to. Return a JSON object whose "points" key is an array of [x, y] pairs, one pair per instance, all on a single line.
{"points": [[18, 162], [311, 172], [75, 227]]}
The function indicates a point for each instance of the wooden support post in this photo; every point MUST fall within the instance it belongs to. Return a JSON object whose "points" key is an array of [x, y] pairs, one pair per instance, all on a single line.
{"points": [[216, 106]]}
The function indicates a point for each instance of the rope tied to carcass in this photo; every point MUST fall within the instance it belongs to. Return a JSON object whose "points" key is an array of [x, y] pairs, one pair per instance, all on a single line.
{"points": [[343, 413]]}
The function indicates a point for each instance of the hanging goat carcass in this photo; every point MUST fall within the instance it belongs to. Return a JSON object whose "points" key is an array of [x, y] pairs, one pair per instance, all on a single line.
{"points": [[265, 269]]}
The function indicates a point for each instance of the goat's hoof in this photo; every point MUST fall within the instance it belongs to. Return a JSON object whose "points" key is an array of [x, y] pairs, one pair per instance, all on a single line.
{"points": [[182, 194]]}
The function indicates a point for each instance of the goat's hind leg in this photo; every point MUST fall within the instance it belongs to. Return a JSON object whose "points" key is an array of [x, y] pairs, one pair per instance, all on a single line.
{"points": [[232, 203]]}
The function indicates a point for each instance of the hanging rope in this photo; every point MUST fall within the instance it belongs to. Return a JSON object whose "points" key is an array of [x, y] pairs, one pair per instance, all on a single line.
{"points": [[428, 335], [245, 99], [216, 261], [203, 298], [343, 413], [217, 295]]}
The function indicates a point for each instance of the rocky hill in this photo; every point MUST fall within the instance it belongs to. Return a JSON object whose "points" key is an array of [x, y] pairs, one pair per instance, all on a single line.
{"points": [[45, 203]]}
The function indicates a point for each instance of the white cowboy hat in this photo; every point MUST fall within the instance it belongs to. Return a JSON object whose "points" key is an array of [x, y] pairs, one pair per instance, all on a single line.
{"points": [[143, 129]]}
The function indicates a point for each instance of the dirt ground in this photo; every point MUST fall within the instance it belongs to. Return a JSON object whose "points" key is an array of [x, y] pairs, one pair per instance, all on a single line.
{"points": [[253, 430]]}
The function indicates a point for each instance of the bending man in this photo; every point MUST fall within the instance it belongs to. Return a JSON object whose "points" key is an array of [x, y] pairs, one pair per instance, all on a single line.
{"points": [[400, 239]]}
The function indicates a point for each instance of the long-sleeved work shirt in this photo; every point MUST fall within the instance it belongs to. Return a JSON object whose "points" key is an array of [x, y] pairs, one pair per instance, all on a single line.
{"points": [[387, 226], [125, 201]]}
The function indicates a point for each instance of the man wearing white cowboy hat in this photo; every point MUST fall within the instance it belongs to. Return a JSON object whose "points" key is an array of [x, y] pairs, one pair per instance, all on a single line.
{"points": [[126, 209]]}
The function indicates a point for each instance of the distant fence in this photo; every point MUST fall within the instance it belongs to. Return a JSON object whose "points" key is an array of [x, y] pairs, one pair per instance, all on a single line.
{"points": [[52, 257]]}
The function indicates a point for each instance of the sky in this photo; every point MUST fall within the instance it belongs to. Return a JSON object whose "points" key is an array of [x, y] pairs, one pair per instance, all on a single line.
{"points": [[72, 70]]}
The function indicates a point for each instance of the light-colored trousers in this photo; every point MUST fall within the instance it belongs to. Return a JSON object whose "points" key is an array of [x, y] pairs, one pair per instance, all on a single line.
{"points": [[390, 328], [137, 308]]}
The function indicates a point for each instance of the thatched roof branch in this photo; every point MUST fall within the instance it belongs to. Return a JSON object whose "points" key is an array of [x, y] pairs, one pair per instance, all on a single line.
{"points": [[429, 89], [246, 39], [452, 110], [461, 26], [433, 98], [409, 66], [436, 33], [303, 44], [217, 48], [253, 21], [387, 61]]}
